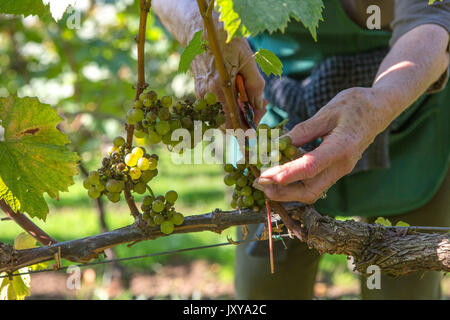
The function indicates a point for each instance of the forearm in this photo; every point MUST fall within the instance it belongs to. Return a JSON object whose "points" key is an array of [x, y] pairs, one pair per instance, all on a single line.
{"points": [[414, 63], [179, 14]]}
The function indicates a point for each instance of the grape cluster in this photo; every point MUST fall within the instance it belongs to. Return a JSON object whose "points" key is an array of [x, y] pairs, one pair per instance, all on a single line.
{"points": [[158, 118], [122, 167], [242, 177], [160, 211]]}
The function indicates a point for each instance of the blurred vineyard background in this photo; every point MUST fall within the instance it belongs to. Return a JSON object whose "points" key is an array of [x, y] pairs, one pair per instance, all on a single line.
{"points": [[88, 73]]}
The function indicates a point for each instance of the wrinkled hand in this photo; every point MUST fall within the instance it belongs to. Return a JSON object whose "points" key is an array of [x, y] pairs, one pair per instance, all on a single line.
{"points": [[238, 59], [347, 125]]}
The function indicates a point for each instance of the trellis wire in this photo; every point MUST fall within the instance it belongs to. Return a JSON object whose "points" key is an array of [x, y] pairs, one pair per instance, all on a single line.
{"points": [[275, 237]]}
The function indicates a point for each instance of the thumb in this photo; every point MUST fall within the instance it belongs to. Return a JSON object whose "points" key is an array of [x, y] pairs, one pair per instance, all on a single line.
{"points": [[311, 129]]}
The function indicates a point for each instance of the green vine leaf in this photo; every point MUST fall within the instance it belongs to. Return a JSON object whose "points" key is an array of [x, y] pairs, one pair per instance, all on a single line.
{"points": [[267, 15], [383, 221], [402, 224], [33, 153], [41, 8], [232, 23], [268, 62], [194, 48]]}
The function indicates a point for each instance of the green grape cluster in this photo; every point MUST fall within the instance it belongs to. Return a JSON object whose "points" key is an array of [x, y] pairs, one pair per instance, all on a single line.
{"points": [[122, 167], [160, 211], [158, 118], [242, 177]]}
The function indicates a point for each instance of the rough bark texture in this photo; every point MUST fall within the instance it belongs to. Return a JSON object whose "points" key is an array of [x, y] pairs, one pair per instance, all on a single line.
{"points": [[396, 252]]}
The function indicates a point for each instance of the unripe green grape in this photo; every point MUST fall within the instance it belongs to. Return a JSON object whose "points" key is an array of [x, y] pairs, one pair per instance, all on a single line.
{"points": [[93, 193], [167, 139], [167, 227], [199, 105], [258, 195], [138, 104], [142, 96], [186, 123], [158, 205], [140, 187], [261, 202], [147, 102], [166, 101], [113, 185], [143, 164], [234, 203], [171, 196], [177, 218], [162, 127], [229, 180], [290, 151], [94, 177], [131, 160], [147, 176], [151, 222], [284, 142], [164, 114], [220, 119], [275, 156], [248, 201], [152, 164], [100, 187], [210, 98], [86, 184], [135, 173], [134, 115], [151, 116], [175, 124], [139, 134], [246, 191], [113, 196], [152, 96], [147, 200], [240, 202], [154, 137], [229, 168], [242, 181], [158, 218], [118, 142]]}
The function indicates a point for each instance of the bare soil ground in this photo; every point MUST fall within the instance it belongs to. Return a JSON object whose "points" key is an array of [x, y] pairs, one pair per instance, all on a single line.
{"points": [[197, 280]]}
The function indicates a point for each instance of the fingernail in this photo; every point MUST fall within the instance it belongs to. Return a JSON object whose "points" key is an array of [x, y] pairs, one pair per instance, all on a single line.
{"points": [[263, 181], [258, 186]]}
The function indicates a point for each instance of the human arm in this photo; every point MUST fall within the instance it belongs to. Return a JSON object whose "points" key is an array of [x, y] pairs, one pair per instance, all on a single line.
{"points": [[351, 120]]}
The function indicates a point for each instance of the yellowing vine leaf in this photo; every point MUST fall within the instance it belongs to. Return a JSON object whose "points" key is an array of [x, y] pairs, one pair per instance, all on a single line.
{"points": [[33, 154], [383, 221], [232, 22]]}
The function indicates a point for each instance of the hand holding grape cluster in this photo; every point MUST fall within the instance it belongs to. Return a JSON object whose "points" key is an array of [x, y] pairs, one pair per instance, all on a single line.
{"points": [[245, 195]]}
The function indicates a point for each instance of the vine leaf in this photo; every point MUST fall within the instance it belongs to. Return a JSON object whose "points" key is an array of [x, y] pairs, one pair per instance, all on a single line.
{"points": [[268, 62], [383, 221], [41, 8], [9, 198], [232, 22], [194, 48], [268, 15], [33, 153]]}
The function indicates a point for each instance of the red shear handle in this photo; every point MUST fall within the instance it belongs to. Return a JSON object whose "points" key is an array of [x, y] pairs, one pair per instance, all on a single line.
{"points": [[241, 88]]}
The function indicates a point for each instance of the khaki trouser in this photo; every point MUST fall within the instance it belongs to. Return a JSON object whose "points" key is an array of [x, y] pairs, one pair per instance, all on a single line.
{"points": [[295, 273]]}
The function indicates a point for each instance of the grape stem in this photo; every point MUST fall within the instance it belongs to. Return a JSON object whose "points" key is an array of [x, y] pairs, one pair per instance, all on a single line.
{"points": [[144, 8]]}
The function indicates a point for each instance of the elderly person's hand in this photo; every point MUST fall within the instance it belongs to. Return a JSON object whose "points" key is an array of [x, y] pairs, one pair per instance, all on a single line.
{"points": [[347, 125]]}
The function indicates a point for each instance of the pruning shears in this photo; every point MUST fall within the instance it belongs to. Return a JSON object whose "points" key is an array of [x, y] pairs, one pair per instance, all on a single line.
{"points": [[248, 110]]}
